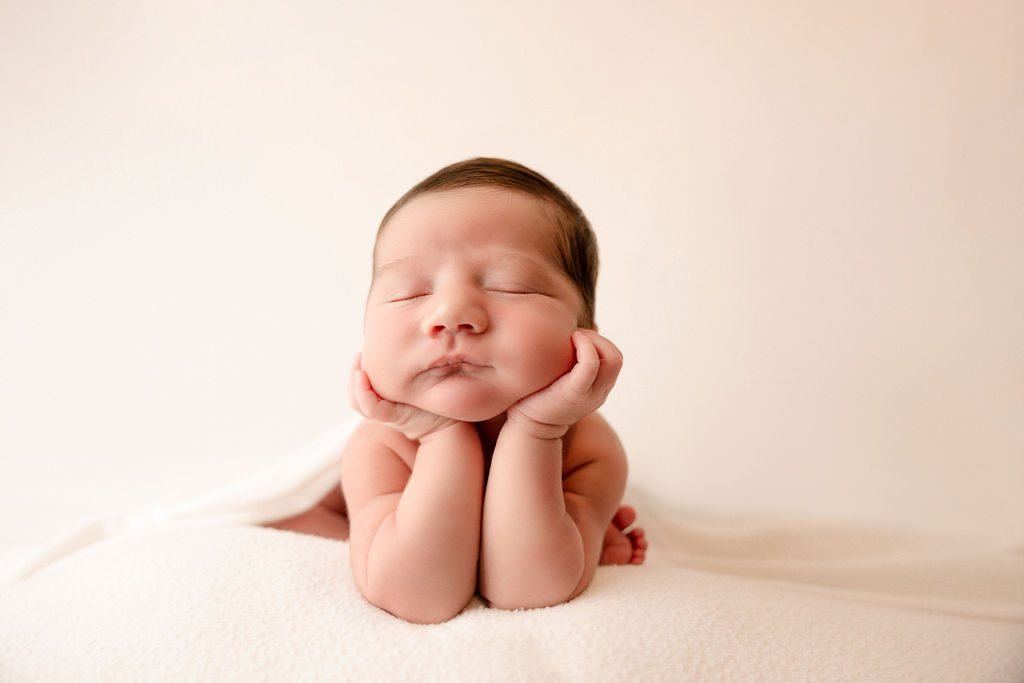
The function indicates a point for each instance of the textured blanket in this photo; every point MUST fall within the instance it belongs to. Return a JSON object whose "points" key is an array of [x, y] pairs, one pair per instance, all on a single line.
{"points": [[197, 592]]}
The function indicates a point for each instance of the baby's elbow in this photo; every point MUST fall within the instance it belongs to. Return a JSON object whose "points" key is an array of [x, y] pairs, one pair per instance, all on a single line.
{"points": [[513, 597], [436, 613], [512, 601], [530, 584], [420, 609]]}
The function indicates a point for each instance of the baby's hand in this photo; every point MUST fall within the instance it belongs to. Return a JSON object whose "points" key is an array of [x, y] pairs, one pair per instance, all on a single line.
{"points": [[414, 423], [550, 412]]}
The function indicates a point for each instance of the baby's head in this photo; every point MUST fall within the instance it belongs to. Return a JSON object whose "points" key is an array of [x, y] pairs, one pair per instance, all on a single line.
{"points": [[481, 274], [573, 244]]}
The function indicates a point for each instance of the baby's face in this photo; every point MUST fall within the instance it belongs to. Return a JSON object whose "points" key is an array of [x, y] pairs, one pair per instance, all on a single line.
{"points": [[468, 313]]}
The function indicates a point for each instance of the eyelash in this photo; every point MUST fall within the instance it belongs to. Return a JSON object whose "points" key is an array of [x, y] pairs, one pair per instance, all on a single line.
{"points": [[495, 290], [510, 290], [409, 297]]}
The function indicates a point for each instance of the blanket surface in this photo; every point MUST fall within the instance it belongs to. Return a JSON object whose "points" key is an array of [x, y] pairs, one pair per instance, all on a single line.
{"points": [[197, 592]]}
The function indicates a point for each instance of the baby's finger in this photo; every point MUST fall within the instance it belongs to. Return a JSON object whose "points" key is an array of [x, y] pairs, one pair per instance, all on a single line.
{"points": [[368, 402], [353, 373], [605, 348], [353, 378], [588, 364], [362, 394], [611, 361]]}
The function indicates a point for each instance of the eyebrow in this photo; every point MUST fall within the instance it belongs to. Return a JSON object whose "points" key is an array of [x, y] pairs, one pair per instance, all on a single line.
{"points": [[542, 264], [393, 264], [501, 257]]}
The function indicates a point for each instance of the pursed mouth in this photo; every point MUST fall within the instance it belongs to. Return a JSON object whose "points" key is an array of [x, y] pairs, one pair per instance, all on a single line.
{"points": [[455, 362]]}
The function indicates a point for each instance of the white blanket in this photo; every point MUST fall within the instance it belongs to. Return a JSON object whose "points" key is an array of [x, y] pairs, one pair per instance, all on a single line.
{"points": [[194, 592]]}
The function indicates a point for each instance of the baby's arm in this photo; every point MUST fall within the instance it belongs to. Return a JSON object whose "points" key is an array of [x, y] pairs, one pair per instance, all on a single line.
{"points": [[414, 509], [542, 531]]}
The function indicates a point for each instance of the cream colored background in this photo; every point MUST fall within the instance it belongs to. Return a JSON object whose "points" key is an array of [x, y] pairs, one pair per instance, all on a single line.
{"points": [[811, 219]]}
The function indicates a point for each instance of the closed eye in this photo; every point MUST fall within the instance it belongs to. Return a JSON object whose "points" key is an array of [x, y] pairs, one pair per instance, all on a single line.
{"points": [[512, 290], [408, 297]]}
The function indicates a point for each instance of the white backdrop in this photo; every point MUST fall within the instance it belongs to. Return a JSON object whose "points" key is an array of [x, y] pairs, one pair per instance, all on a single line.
{"points": [[811, 221]]}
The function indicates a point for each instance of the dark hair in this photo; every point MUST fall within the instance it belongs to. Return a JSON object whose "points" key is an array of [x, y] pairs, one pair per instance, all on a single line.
{"points": [[575, 246]]}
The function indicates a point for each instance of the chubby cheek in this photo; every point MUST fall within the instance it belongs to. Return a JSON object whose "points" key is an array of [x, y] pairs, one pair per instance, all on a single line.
{"points": [[549, 359], [382, 359]]}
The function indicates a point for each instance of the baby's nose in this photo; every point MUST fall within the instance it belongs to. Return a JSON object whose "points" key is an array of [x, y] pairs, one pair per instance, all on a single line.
{"points": [[456, 312]]}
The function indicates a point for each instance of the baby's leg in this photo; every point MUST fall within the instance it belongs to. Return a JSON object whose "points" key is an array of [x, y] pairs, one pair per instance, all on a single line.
{"points": [[328, 518], [622, 544]]}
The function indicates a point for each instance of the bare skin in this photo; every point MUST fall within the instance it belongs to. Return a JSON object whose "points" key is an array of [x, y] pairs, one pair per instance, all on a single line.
{"points": [[554, 472], [329, 519], [482, 466], [439, 468], [624, 543]]}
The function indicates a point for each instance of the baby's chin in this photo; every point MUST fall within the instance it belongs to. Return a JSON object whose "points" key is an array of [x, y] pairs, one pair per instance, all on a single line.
{"points": [[472, 403], [467, 411]]}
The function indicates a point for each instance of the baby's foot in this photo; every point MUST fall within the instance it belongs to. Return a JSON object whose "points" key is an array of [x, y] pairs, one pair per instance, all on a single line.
{"points": [[622, 544]]}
